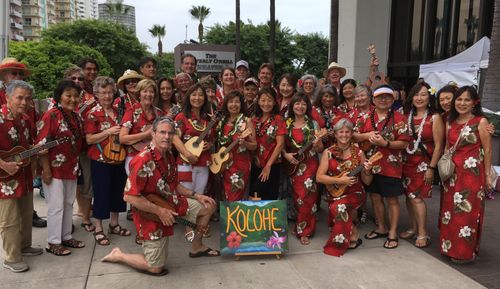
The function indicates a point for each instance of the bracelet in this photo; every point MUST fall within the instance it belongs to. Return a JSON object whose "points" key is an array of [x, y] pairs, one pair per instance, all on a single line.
{"points": [[388, 144], [431, 168], [193, 194]]}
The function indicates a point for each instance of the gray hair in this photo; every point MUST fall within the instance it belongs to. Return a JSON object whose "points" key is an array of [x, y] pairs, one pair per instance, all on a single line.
{"points": [[162, 120], [102, 82], [308, 77], [72, 70], [14, 84], [344, 122], [362, 88]]}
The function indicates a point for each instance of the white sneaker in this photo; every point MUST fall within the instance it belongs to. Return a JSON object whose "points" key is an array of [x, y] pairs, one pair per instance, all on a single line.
{"points": [[16, 267]]}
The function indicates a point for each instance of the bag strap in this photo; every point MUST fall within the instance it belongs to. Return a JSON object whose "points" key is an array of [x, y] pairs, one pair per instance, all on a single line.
{"points": [[452, 150]]}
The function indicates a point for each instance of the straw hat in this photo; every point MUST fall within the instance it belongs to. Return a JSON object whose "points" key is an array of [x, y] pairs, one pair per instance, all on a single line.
{"points": [[11, 63], [335, 65], [128, 74]]}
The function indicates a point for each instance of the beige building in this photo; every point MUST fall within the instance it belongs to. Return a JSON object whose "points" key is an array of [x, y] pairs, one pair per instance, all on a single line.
{"points": [[15, 20], [65, 10]]}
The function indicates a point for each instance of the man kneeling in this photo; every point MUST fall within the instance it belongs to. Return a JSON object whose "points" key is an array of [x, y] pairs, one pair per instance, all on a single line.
{"points": [[154, 172]]}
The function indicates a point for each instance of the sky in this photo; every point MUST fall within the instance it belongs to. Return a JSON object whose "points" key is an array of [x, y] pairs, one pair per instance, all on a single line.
{"points": [[298, 15]]}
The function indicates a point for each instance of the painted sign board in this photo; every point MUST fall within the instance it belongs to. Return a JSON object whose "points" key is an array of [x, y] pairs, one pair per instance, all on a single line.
{"points": [[253, 227], [213, 61]]}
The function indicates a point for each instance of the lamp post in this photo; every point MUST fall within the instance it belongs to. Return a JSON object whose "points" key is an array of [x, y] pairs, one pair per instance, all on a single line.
{"points": [[4, 29]]}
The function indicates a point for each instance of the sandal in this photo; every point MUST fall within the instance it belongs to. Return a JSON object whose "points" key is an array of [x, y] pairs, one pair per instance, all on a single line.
{"points": [[408, 235], [72, 243], [305, 241], [57, 249], [138, 240], [375, 235], [101, 239], [88, 227], [426, 244], [206, 253], [354, 244], [118, 230], [388, 242]]}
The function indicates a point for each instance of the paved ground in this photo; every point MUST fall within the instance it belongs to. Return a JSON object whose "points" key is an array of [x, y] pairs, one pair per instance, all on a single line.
{"points": [[370, 266]]}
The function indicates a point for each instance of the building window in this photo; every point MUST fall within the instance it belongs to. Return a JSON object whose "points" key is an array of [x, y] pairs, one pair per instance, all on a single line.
{"points": [[27, 21]]}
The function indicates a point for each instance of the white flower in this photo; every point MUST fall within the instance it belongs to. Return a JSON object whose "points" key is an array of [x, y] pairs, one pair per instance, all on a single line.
{"points": [[308, 183], [341, 208], [39, 126], [270, 130], [13, 133], [63, 126], [411, 196], [447, 215], [1, 118], [60, 158], [445, 246], [314, 209], [470, 163], [105, 125], [147, 170], [128, 124], [465, 232], [234, 178], [339, 238], [6, 190], [160, 184], [422, 167], [392, 158], [466, 130], [457, 198], [26, 133]]}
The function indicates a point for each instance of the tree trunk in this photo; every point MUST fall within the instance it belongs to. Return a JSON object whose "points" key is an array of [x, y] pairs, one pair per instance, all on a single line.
{"points": [[492, 84], [200, 32], [334, 31], [160, 48], [272, 33], [238, 35]]}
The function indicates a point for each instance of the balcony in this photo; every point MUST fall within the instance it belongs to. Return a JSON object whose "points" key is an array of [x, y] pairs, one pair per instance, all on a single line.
{"points": [[16, 25], [16, 2], [17, 37], [15, 13]]}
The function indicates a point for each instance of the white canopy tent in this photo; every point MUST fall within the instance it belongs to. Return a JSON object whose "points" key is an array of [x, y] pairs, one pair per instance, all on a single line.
{"points": [[462, 68]]}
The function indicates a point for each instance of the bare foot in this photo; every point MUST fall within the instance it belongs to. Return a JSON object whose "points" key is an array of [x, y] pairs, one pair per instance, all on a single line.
{"points": [[305, 241], [113, 256]]}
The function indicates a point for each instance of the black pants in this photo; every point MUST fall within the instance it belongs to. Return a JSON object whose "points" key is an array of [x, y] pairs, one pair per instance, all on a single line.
{"points": [[268, 190]]}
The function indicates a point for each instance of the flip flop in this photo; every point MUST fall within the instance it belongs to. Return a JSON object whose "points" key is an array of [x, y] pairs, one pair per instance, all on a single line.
{"points": [[205, 253], [375, 235], [355, 243], [408, 234], [426, 244], [389, 240], [88, 227]]}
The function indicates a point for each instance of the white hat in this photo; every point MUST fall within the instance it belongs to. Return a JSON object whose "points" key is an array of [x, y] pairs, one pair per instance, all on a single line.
{"points": [[242, 63], [335, 65]]}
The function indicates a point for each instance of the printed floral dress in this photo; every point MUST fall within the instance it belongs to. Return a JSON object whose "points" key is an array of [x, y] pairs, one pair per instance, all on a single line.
{"points": [[341, 209], [305, 190], [462, 211], [415, 165], [236, 172]]}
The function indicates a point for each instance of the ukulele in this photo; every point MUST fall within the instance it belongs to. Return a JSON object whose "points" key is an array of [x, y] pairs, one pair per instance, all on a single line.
{"points": [[160, 201], [195, 144], [300, 155], [367, 145], [222, 156], [376, 77], [114, 151], [336, 190], [20, 154]]}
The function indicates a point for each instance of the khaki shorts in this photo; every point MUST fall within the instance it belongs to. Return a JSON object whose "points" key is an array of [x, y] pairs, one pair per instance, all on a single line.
{"points": [[155, 252], [194, 208]]}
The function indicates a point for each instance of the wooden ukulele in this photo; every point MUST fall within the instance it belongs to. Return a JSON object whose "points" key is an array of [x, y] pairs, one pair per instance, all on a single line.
{"points": [[336, 190], [86, 104], [23, 155], [195, 144], [160, 201], [300, 154], [376, 77], [223, 155]]}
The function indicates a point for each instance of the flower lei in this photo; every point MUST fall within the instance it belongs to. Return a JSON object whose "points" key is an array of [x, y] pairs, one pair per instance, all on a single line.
{"points": [[344, 164], [224, 139], [307, 130], [419, 131], [195, 124], [260, 127]]}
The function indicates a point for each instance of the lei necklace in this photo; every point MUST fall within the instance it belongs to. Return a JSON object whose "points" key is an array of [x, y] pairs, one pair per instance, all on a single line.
{"points": [[344, 164], [172, 174], [223, 139], [375, 125], [260, 128], [419, 131], [196, 124], [307, 130]]}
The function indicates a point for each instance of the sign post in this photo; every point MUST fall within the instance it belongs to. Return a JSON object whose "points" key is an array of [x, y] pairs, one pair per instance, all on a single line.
{"points": [[254, 228]]}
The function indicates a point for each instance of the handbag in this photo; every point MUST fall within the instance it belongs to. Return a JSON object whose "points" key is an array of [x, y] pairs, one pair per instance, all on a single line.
{"points": [[445, 165]]}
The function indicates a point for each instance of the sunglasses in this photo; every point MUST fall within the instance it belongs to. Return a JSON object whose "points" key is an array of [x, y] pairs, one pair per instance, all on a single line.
{"points": [[16, 73], [127, 82], [77, 78]]}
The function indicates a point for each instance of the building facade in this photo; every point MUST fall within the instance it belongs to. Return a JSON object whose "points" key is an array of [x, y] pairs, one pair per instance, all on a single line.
{"points": [[15, 20], [116, 11], [86, 9]]}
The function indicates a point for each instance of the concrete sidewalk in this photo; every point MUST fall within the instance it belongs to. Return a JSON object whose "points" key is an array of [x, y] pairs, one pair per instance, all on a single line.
{"points": [[369, 266]]}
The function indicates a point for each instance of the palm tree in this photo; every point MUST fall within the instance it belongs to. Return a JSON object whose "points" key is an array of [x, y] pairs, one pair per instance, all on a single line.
{"points": [[238, 33], [492, 85], [158, 31], [272, 31], [200, 13], [116, 8], [334, 31]]}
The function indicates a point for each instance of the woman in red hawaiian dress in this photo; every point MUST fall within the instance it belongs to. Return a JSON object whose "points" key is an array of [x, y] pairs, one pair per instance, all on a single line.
{"points": [[128, 84], [343, 157], [301, 130], [361, 112], [426, 130], [347, 101], [167, 101], [236, 172], [325, 112], [136, 123], [228, 84], [270, 133], [286, 89], [462, 210]]}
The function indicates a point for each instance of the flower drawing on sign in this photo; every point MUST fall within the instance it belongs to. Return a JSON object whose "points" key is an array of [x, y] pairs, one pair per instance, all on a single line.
{"points": [[275, 241], [233, 240]]}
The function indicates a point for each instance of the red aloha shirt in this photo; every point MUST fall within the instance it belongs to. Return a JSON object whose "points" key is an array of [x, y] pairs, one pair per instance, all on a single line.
{"points": [[64, 157], [15, 133], [186, 130], [98, 121], [359, 118], [266, 137], [391, 164], [136, 121], [3, 96], [144, 179], [129, 101]]}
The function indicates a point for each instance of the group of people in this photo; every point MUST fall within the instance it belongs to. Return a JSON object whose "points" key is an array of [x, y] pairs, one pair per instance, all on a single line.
{"points": [[305, 140]]}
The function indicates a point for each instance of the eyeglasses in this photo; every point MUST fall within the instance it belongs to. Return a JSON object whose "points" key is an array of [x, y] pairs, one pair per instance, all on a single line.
{"points": [[130, 81], [16, 73], [76, 78]]}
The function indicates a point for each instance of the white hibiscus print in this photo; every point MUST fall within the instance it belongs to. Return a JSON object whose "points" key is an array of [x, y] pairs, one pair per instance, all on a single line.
{"points": [[234, 178], [341, 208], [465, 232], [128, 124], [446, 218], [26, 133], [422, 167], [160, 184], [457, 198], [63, 126], [445, 245], [6, 190], [13, 133], [339, 238], [466, 130], [270, 130], [105, 125], [308, 183], [471, 162], [59, 160], [392, 158]]}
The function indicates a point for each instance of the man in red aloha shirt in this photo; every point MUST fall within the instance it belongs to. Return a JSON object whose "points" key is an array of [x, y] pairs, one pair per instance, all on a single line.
{"points": [[153, 171], [16, 193]]}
